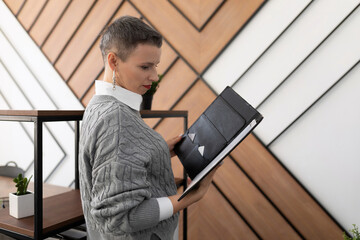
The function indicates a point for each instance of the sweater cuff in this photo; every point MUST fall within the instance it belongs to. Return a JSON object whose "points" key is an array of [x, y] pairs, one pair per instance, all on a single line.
{"points": [[166, 208], [147, 215]]}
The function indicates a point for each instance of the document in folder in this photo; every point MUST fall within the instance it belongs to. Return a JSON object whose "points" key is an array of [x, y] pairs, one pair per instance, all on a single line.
{"points": [[219, 129]]}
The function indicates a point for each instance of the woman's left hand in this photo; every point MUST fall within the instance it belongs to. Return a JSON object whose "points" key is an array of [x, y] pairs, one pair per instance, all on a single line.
{"points": [[171, 143]]}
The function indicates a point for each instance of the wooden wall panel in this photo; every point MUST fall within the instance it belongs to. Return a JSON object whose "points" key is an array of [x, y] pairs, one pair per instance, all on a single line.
{"points": [[168, 56], [173, 85], [87, 33], [201, 47], [14, 5], [284, 191], [251, 203], [86, 99], [89, 69], [47, 20], [253, 196], [198, 12], [214, 218], [65, 28], [30, 11]]}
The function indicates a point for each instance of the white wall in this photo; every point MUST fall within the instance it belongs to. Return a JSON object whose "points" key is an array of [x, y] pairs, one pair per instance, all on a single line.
{"points": [[299, 65], [29, 81]]}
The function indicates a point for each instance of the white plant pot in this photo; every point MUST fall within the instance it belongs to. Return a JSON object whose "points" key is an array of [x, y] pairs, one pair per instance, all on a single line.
{"points": [[21, 206]]}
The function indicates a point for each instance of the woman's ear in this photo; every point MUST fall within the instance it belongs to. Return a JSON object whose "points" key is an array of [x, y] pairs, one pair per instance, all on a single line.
{"points": [[112, 60]]}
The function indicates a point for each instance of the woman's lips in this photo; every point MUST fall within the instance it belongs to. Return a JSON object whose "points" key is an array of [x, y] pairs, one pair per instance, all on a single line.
{"points": [[147, 86]]}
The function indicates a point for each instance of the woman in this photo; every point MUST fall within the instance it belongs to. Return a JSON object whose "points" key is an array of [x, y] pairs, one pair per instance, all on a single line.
{"points": [[126, 181]]}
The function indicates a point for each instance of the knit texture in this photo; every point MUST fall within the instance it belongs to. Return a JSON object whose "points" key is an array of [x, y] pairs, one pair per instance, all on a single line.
{"points": [[124, 166]]}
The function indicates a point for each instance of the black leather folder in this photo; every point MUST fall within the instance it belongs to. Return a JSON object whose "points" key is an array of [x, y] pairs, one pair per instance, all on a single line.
{"points": [[223, 125]]}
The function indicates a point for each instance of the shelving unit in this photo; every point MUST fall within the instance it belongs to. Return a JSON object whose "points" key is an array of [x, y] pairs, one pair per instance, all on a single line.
{"points": [[63, 211], [47, 219]]}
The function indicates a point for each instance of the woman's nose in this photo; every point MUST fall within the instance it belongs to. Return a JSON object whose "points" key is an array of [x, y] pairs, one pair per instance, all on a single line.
{"points": [[154, 76]]}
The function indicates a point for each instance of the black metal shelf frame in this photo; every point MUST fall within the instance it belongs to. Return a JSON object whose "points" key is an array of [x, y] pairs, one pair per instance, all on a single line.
{"points": [[38, 121], [38, 158]]}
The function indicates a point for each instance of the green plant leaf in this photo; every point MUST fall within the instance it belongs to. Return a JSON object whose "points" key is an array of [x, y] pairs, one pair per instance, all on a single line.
{"points": [[154, 86], [21, 184], [27, 183], [355, 232]]}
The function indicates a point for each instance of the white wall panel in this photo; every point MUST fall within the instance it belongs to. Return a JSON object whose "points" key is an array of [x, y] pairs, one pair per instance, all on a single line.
{"points": [[44, 89], [292, 48], [32, 56], [9, 89], [9, 143], [22, 75], [336, 56], [37, 97], [15, 146], [52, 152], [322, 150], [253, 40], [65, 173], [13, 95]]}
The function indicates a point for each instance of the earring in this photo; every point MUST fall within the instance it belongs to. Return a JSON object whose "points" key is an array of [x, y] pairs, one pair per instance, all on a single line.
{"points": [[113, 79]]}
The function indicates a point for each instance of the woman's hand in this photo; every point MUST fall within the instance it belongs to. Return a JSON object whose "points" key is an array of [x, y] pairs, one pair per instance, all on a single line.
{"points": [[171, 143], [194, 195]]}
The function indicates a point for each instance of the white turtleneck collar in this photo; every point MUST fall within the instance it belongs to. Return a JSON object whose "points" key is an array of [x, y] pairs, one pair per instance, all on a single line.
{"points": [[125, 96]]}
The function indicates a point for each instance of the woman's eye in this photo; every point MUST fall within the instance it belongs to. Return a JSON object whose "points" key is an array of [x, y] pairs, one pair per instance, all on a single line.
{"points": [[144, 67]]}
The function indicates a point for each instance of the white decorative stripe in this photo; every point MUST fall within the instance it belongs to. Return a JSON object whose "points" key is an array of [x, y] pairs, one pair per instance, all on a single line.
{"points": [[29, 81], [192, 136], [201, 150]]}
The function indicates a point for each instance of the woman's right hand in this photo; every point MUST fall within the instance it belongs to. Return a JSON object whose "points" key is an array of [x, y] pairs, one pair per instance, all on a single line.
{"points": [[194, 195]]}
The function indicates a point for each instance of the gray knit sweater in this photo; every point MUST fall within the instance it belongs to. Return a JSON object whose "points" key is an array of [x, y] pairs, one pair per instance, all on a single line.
{"points": [[124, 166]]}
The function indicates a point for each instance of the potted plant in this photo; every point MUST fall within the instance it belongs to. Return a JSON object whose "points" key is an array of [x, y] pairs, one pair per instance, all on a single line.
{"points": [[21, 203], [148, 96], [355, 232]]}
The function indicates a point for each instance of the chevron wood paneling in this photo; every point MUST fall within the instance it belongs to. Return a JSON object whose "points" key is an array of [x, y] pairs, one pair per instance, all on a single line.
{"points": [[47, 20], [251, 203], [65, 28], [14, 5], [198, 48], [253, 195], [85, 35], [30, 12], [226, 225], [173, 85], [198, 12]]}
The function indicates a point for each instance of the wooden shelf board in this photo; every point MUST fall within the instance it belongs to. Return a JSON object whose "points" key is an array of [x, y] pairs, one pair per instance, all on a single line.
{"points": [[58, 211], [41, 113]]}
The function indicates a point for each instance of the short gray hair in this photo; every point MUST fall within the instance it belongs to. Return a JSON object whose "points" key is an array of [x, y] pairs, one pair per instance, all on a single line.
{"points": [[124, 34]]}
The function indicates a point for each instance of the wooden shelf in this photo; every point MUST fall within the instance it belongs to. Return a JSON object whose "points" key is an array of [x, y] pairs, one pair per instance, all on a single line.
{"points": [[59, 211], [42, 113]]}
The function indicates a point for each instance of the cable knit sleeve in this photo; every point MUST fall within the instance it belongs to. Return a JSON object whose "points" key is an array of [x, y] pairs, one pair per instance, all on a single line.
{"points": [[120, 199]]}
